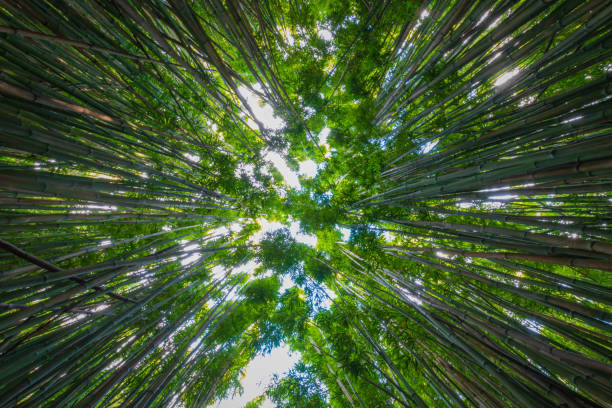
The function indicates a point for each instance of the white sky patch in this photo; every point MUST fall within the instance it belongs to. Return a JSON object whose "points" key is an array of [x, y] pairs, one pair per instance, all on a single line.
{"points": [[246, 168], [235, 227], [307, 239], [266, 226], [325, 35], [346, 233], [263, 111], [441, 254], [294, 230], [291, 177], [219, 231], [504, 78], [308, 112], [218, 271], [428, 147], [465, 204], [192, 157], [503, 197], [288, 37], [259, 374], [323, 135], [248, 267], [193, 256], [286, 283], [221, 272], [308, 169], [409, 296], [326, 302]]}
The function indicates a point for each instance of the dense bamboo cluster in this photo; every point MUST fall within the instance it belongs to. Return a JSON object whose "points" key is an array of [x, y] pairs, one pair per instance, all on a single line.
{"points": [[511, 207], [477, 272], [113, 210]]}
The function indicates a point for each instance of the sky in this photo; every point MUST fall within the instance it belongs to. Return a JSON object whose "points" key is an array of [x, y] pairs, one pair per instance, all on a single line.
{"points": [[265, 114], [259, 372]]}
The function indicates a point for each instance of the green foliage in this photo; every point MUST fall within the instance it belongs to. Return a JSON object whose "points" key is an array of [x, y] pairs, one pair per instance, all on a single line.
{"points": [[262, 291], [280, 252], [299, 388], [468, 154]]}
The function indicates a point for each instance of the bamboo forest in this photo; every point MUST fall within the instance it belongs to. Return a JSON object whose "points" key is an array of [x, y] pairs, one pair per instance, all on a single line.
{"points": [[413, 197]]}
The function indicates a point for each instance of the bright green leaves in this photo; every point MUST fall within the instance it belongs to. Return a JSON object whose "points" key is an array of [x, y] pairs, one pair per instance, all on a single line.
{"points": [[289, 320], [300, 388], [475, 272], [256, 304], [320, 218], [280, 252], [262, 292], [293, 314]]}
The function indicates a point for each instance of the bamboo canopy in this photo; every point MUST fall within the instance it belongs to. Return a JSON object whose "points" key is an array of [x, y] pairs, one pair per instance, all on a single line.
{"points": [[468, 160]]}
